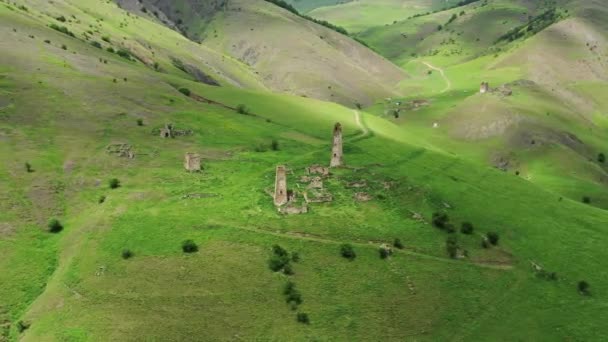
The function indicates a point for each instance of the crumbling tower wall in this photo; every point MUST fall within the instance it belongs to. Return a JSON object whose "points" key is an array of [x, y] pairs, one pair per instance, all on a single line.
{"points": [[192, 162], [336, 151], [280, 186]]}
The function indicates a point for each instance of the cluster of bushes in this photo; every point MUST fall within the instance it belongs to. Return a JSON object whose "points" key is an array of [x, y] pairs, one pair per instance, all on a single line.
{"points": [[459, 4], [281, 260], [451, 245], [347, 251], [490, 239], [114, 183], [534, 25], [185, 91], [274, 146], [242, 109], [294, 298], [293, 10], [62, 29], [55, 226]]}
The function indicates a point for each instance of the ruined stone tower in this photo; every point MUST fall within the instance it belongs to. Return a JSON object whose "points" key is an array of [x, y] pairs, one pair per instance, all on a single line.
{"points": [[484, 88], [336, 151], [167, 131], [280, 186], [192, 162]]}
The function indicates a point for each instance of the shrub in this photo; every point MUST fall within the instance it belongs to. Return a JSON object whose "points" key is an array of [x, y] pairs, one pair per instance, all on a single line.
{"points": [[440, 220], [358, 105], [274, 145], [102, 199], [276, 263], [64, 47], [583, 287], [96, 44], [189, 246], [62, 29], [467, 228], [303, 318], [493, 238], [28, 168], [398, 244], [55, 226], [295, 257], [451, 245], [110, 50], [124, 53], [47, 41], [384, 253], [485, 243], [106, 39], [140, 122], [288, 269], [601, 158], [22, 326], [347, 251], [61, 18], [114, 183], [185, 91], [279, 251], [242, 109], [586, 199], [127, 254]]}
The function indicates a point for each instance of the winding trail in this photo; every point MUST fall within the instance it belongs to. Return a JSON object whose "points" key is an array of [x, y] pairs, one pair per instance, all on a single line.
{"points": [[364, 129], [447, 80]]}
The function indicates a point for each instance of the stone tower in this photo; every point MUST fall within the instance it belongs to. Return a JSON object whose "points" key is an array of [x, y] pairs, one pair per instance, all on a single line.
{"points": [[192, 162], [167, 131], [336, 151], [280, 186], [484, 88]]}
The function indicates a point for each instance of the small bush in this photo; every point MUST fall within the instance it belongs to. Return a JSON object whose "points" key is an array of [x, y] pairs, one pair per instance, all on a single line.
{"points": [[601, 158], [384, 253], [127, 254], [22, 326], [55, 226], [126, 54], [493, 238], [102, 199], [96, 44], [440, 220], [295, 257], [274, 145], [114, 183], [288, 269], [28, 168], [485, 243], [303, 318], [398, 244], [106, 39], [189, 246], [279, 251], [242, 109], [347, 251], [467, 228], [583, 287], [64, 47], [111, 50], [61, 18], [47, 41], [140, 122], [185, 91], [586, 199], [62, 29], [451, 245]]}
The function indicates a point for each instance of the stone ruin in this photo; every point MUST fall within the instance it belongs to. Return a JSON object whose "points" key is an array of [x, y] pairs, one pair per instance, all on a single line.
{"points": [[280, 186], [167, 131], [317, 170], [336, 151], [192, 162], [121, 150], [484, 88], [357, 184], [363, 197], [317, 196]]}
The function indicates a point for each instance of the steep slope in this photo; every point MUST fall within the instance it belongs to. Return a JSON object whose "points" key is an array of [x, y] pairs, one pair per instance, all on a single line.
{"points": [[286, 52]]}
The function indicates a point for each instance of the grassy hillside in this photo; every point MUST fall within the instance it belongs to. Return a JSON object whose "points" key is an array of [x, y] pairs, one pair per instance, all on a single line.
{"points": [[305, 6], [66, 105]]}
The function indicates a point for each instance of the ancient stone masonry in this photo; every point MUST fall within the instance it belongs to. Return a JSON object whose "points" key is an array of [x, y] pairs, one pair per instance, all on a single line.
{"points": [[336, 151], [192, 162], [121, 150], [317, 170], [280, 186], [167, 131], [484, 88]]}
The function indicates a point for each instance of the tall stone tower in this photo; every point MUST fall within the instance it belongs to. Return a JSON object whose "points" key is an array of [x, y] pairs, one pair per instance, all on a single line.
{"points": [[280, 186], [336, 151]]}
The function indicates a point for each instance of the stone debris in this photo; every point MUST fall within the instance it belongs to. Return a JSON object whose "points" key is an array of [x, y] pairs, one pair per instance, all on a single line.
{"points": [[292, 209], [317, 196], [317, 170], [363, 197], [192, 162], [121, 150], [316, 183], [357, 184]]}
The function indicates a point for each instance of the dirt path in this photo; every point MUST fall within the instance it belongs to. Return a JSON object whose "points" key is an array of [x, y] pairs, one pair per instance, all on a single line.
{"points": [[364, 129], [447, 80]]}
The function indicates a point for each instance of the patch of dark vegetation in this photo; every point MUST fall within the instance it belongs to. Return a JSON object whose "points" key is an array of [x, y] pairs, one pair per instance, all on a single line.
{"points": [[114, 183], [293, 10], [586, 199], [384, 252], [280, 260], [493, 238], [62, 29], [441, 220], [467, 228], [185, 91], [96, 44], [189, 246], [583, 288], [23, 326], [101, 199], [127, 254], [398, 244], [61, 19], [126, 54], [347, 251], [28, 168], [533, 26], [242, 109], [55, 226], [451, 246], [601, 158], [140, 122], [303, 318]]}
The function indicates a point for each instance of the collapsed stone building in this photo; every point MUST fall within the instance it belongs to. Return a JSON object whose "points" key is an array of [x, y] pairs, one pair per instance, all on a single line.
{"points": [[167, 131]]}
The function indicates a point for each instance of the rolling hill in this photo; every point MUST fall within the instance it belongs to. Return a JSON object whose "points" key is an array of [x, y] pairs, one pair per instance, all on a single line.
{"points": [[471, 229]]}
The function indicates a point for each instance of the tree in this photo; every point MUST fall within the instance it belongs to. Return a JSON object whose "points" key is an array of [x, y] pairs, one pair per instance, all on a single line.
{"points": [[398, 244], [185, 91], [347, 251], [586, 199], [601, 158], [467, 228], [127, 254], [55, 226], [140, 122], [440, 220], [493, 238], [242, 109], [189, 246], [28, 168], [114, 183], [583, 287], [303, 318]]}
